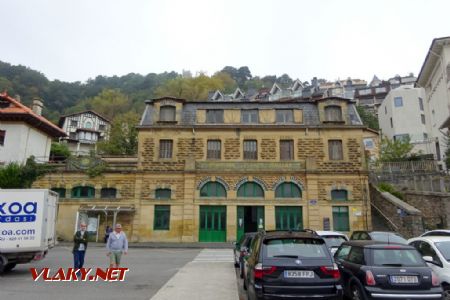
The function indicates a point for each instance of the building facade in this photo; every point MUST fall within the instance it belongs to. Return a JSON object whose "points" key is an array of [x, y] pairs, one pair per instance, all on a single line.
{"points": [[84, 130], [434, 77], [24, 132], [210, 171], [403, 114]]}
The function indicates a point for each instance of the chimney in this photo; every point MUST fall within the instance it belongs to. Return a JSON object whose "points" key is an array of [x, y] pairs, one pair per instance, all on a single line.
{"points": [[37, 106], [17, 97]]}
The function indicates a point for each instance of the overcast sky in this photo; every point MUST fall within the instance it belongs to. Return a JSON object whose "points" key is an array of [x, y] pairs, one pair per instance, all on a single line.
{"points": [[75, 40]]}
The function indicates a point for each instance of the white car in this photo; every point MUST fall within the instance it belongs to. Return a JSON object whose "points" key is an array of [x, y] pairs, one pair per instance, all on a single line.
{"points": [[437, 232], [435, 250], [333, 239]]}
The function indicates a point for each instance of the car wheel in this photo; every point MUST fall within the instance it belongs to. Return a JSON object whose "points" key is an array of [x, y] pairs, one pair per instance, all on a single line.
{"points": [[9, 267], [356, 293], [447, 292]]}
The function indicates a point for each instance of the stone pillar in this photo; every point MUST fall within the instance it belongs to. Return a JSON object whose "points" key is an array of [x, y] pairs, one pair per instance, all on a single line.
{"points": [[189, 233]]}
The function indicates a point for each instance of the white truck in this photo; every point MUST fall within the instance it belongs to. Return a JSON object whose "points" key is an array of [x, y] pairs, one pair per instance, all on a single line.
{"points": [[27, 225]]}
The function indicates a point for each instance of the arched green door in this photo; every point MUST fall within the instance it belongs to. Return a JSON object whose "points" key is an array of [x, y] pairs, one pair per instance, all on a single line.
{"points": [[213, 224]]}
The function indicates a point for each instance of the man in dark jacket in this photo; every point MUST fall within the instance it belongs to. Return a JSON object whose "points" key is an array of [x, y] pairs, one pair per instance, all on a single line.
{"points": [[80, 241]]}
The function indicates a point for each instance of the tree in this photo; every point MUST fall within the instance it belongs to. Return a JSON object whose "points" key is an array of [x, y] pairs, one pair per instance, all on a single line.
{"points": [[192, 89], [123, 139], [398, 150], [59, 152], [108, 103], [15, 176], [368, 118]]}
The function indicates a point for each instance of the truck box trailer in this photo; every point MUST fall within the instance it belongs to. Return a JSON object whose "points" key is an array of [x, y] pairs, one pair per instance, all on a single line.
{"points": [[27, 225]]}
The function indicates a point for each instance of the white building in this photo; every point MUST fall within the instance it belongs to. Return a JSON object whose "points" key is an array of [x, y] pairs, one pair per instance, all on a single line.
{"points": [[84, 130], [403, 114], [24, 132], [434, 77]]}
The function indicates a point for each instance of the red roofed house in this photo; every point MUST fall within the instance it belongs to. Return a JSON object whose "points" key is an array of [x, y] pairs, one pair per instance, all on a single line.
{"points": [[24, 132]]}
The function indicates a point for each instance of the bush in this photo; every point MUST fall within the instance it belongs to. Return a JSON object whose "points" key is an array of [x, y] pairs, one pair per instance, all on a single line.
{"points": [[59, 152], [386, 187]]}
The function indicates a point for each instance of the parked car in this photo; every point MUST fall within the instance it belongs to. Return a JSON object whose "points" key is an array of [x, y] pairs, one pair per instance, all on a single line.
{"points": [[436, 252], [437, 232], [378, 270], [381, 236], [333, 239], [291, 264], [241, 250]]}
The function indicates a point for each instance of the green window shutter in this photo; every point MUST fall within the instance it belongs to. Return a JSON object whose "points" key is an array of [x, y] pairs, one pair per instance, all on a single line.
{"points": [[341, 218], [213, 189], [250, 190], [83, 192], [163, 193], [339, 195], [161, 220], [288, 218], [288, 190]]}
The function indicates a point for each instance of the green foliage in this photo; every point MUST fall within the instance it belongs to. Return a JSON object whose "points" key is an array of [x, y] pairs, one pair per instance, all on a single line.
{"points": [[59, 152], [96, 170], [191, 88], [18, 176], [108, 103], [368, 118], [386, 187], [122, 136], [398, 150]]}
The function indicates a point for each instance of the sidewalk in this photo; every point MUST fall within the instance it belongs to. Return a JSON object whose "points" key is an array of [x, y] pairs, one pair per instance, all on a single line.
{"points": [[161, 245], [210, 275]]}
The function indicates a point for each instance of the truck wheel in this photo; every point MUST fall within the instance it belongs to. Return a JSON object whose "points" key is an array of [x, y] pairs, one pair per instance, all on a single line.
{"points": [[9, 267]]}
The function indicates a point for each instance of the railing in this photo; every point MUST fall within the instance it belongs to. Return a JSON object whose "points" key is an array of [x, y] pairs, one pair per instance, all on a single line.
{"points": [[253, 166], [407, 167], [395, 227]]}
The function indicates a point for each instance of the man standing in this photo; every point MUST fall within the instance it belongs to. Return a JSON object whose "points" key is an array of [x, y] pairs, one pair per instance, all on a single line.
{"points": [[80, 241], [116, 245]]}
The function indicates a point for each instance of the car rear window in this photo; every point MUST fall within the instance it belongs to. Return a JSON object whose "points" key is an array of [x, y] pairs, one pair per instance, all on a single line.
{"points": [[397, 257], [291, 247], [388, 237], [334, 240]]}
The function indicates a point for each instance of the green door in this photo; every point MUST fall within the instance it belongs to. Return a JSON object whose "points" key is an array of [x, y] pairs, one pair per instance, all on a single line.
{"points": [[260, 217], [240, 223], [213, 224], [288, 217]]}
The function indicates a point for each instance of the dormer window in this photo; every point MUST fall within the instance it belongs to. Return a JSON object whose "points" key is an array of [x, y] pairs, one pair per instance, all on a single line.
{"points": [[333, 113], [167, 113]]}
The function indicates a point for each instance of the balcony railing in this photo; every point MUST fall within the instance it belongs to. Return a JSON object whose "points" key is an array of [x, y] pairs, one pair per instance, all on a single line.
{"points": [[251, 166]]}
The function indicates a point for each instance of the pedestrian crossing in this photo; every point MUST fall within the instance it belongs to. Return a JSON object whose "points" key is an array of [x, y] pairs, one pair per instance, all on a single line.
{"points": [[215, 255]]}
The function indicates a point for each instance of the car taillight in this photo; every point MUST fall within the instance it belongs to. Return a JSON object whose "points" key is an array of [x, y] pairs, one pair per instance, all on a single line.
{"points": [[370, 280], [260, 271], [331, 271], [435, 279]]}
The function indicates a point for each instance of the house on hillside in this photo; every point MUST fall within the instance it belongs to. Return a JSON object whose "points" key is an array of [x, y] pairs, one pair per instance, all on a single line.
{"points": [[24, 132], [84, 130]]}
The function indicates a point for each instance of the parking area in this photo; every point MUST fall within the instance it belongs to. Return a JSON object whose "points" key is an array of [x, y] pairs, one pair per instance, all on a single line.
{"points": [[150, 269]]}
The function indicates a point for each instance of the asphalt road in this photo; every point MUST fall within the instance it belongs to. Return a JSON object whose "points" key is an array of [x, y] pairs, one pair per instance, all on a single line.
{"points": [[149, 270]]}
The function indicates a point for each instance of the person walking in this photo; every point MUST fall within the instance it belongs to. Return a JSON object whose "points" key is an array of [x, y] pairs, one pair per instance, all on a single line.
{"points": [[108, 231], [116, 245], [80, 241]]}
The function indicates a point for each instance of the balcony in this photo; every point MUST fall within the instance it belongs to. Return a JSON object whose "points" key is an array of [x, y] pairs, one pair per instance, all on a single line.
{"points": [[250, 166]]}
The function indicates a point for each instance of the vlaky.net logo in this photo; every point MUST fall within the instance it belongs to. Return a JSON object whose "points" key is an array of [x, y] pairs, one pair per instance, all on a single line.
{"points": [[17, 212]]}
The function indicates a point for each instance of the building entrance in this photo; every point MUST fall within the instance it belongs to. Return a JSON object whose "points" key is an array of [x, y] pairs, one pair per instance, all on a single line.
{"points": [[249, 219]]}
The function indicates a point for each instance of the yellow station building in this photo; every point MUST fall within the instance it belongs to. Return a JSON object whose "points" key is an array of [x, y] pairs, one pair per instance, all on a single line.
{"points": [[210, 171]]}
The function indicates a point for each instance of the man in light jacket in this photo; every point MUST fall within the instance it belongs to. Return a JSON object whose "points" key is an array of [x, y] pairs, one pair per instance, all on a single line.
{"points": [[116, 245]]}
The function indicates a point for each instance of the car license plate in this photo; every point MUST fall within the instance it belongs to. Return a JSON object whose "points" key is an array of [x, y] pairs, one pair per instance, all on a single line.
{"points": [[299, 274], [404, 279]]}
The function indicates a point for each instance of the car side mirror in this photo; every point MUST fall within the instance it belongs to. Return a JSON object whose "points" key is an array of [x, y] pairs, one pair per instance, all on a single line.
{"points": [[430, 260]]}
